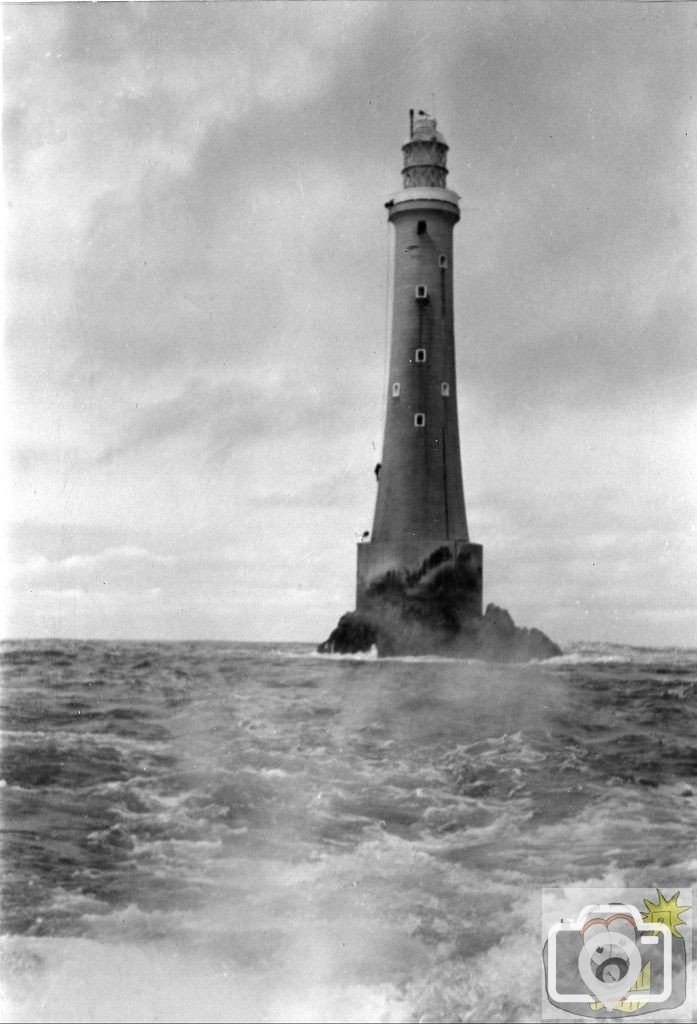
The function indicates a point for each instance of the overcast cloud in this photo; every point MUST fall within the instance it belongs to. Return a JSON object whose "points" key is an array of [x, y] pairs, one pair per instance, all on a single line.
{"points": [[196, 278]]}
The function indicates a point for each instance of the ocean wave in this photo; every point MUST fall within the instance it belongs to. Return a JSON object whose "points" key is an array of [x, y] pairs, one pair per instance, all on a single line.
{"points": [[581, 653], [309, 838], [369, 655], [128, 744]]}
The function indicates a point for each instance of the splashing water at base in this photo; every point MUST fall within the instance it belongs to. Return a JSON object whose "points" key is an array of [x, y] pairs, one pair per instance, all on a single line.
{"points": [[231, 832]]}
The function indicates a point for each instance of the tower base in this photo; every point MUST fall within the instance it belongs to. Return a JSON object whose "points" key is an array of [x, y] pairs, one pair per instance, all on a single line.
{"points": [[412, 565], [426, 598]]}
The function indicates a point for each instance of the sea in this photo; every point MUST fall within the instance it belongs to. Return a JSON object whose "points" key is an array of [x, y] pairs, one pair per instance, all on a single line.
{"points": [[231, 832]]}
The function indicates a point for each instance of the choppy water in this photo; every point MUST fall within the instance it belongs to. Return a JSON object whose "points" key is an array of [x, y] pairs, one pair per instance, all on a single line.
{"points": [[228, 832]]}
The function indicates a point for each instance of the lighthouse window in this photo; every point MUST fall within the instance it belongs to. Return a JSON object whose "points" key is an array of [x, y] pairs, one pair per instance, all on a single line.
{"points": [[442, 262], [421, 291], [395, 390], [445, 389], [421, 227], [420, 420], [420, 355]]}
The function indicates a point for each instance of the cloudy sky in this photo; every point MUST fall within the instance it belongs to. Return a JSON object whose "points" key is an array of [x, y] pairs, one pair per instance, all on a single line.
{"points": [[196, 294]]}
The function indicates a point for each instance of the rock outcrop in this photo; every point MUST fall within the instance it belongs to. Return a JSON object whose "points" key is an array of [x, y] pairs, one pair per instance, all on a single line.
{"points": [[433, 611]]}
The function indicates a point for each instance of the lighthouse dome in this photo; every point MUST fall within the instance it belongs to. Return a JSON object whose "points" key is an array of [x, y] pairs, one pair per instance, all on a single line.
{"points": [[426, 129]]}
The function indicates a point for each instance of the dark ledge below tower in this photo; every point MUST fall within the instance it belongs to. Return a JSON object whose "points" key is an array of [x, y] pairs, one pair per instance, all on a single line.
{"points": [[435, 613]]}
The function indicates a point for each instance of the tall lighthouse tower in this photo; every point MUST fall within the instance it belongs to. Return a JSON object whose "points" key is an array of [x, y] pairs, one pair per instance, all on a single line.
{"points": [[420, 520]]}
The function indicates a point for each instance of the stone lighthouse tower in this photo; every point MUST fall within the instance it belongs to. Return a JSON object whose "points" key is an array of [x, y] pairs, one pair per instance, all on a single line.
{"points": [[420, 522], [419, 581]]}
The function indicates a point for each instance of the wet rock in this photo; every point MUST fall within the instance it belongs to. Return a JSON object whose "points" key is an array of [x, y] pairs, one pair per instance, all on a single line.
{"points": [[435, 613], [353, 634], [499, 639]]}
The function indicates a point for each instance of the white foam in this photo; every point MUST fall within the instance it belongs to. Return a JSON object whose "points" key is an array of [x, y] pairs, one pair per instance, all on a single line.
{"points": [[369, 655]]}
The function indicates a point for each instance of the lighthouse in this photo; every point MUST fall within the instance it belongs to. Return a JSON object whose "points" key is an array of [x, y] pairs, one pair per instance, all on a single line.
{"points": [[419, 579], [420, 522]]}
